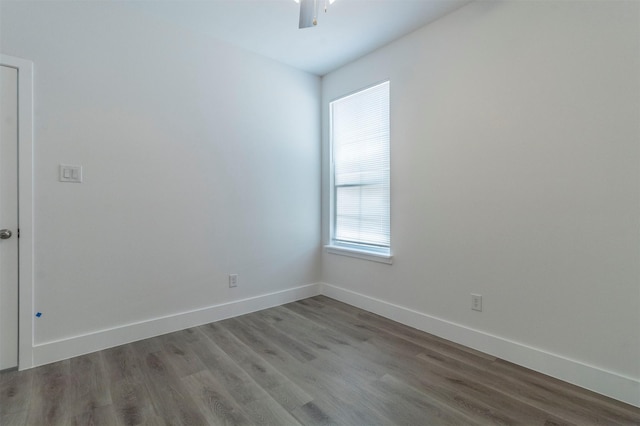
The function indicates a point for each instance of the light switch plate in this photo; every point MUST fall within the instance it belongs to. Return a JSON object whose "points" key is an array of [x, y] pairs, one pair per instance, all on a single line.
{"points": [[70, 173]]}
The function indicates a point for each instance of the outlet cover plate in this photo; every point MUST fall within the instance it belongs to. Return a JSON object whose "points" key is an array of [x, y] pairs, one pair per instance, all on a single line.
{"points": [[233, 280], [476, 302]]}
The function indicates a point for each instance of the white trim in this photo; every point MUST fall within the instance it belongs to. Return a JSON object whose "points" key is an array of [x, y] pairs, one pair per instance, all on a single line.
{"points": [[25, 206], [57, 350], [611, 384], [333, 246], [360, 254]]}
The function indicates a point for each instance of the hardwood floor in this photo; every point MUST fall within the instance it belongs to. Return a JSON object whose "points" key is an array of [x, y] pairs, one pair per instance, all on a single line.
{"points": [[315, 362]]}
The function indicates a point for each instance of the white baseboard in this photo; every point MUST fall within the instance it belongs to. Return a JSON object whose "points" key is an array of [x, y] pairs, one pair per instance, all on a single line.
{"points": [[53, 351], [622, 388], [605, 382]]}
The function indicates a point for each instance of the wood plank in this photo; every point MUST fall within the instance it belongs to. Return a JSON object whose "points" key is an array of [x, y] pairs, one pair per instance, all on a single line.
{"points": [[480, 397], [275, 383], [50, 401], [563, 399], [131, 400], [319, 317], [293, 347], [408, 405], [122, 364], [268, 411], [311, 414], [226, 371], [96, 416], [169, 396], [213, 401], [176, 348], [88, 392], [15, 391], [16, 418], [131, 403], [258, 369]]}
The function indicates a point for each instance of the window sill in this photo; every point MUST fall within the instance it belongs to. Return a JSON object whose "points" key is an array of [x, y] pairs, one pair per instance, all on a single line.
{"points": [[360, 254]]}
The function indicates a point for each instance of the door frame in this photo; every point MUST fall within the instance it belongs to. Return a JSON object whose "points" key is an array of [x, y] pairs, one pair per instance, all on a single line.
{"points": [[25, 208]]}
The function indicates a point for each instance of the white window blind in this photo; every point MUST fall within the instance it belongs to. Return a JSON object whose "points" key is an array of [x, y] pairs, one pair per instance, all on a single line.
{"points": [[360, 148]]}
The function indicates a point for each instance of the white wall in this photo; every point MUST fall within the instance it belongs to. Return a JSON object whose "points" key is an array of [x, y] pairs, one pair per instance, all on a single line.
{"points": [[199, 160], [515, 174]]}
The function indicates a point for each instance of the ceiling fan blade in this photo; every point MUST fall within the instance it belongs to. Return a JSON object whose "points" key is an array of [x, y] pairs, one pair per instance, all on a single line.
{"points": [[307, 13]]}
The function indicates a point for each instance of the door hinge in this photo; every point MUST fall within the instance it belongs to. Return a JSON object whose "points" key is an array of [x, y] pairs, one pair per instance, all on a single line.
{"points": [[18, 232]]}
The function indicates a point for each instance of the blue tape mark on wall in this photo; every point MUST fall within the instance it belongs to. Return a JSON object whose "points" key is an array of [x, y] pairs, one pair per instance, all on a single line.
{"points": [[39, 314]]}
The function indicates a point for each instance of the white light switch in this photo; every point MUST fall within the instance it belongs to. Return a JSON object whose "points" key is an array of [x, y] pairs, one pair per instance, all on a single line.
{"points": [[70, 173]]}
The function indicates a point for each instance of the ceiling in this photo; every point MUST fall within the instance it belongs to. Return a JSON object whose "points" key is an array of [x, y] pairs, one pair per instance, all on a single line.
{"points": [[350, 28]]}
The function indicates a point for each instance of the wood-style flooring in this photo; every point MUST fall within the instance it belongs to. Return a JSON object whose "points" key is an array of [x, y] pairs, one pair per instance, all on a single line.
{"points": [[312, 362]]}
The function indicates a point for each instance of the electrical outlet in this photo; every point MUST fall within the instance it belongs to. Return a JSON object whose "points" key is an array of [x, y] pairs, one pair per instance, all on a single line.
{"points": [[233, 280], [476, 302]]}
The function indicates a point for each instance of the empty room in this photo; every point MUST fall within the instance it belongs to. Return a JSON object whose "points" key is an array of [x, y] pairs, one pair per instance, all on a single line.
{"points": [[313, 212]]}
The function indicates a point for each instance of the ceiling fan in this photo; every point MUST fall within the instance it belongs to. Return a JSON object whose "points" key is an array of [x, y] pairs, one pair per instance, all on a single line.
{"points": [[309, 12]]}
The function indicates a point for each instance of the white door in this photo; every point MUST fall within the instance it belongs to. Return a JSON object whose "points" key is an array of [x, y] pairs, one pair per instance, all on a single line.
{"points": [[8, 217]]}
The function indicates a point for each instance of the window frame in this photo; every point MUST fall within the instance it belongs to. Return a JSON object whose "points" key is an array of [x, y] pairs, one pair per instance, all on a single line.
{"points": [[370, 252]]}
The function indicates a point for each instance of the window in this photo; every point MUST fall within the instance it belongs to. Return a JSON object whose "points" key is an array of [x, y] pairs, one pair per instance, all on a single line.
{"points": [[360, 210]]}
